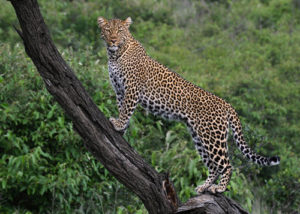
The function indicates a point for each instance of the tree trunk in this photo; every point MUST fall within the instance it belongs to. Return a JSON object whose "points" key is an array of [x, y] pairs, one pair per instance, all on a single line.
{"points": [[154, 189]]}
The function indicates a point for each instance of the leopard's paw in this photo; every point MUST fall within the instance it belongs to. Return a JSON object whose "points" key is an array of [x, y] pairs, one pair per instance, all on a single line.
{"points": [[200, 189], [117, 124], [216, 189]]}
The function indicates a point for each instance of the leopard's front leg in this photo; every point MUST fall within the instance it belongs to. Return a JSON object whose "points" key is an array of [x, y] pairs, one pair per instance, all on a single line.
{"points": [[126, 109], [120, 98]]}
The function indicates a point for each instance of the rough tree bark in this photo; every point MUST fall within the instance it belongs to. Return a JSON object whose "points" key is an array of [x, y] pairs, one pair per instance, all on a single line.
{"points": [[154, 189]]}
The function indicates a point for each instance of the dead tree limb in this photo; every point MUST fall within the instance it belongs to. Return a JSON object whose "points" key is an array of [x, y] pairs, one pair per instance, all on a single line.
{"points": [[210, 203], [154, 189]]}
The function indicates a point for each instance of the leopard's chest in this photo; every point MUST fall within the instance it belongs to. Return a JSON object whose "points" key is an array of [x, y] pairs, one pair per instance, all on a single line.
{"points": [[116, 76]]}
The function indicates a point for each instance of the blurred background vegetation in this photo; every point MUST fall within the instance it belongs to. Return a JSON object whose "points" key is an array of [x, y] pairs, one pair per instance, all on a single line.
{"points": [[246, 52]]}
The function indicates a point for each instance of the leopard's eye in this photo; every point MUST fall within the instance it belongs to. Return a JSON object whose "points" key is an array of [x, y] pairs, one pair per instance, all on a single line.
{"points": [[105, 28]]}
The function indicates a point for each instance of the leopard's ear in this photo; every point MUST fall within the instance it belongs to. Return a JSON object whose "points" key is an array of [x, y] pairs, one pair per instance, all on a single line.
{"points": [[101, 21], [128, 22]]}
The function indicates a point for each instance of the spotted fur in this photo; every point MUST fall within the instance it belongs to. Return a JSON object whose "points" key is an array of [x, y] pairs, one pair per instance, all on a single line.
{"points": [[138, 79]]}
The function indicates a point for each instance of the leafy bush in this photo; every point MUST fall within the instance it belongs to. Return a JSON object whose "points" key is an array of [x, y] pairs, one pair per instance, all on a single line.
{"points": [[244, 51]]}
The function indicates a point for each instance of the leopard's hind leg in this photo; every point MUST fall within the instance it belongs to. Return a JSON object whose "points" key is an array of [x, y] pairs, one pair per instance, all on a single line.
{"points": [[213, 173], [225, 178], [220, 159], [212, 177], [214, 153]]}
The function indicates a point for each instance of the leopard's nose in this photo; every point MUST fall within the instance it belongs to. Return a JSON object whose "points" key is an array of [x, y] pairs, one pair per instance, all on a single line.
{"points": [[113, 40]]}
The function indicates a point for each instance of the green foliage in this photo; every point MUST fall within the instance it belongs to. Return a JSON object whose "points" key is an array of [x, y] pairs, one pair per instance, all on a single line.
{"points": [[244, 51], [42, 166]]}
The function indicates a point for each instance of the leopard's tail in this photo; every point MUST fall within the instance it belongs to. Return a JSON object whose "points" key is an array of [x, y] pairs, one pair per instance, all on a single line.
{"points": [[235, 125]]}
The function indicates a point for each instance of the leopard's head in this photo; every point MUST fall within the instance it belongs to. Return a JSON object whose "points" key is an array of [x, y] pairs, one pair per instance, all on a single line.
{"points": [[115, 32]]}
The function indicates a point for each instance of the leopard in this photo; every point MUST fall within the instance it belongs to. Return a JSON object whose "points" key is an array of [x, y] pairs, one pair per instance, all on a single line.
{"points": [[137, 79]]}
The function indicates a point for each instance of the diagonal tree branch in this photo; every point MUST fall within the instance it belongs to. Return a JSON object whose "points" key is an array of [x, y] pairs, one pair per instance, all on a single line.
{"points": [[154, 189], [102, 141]]}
